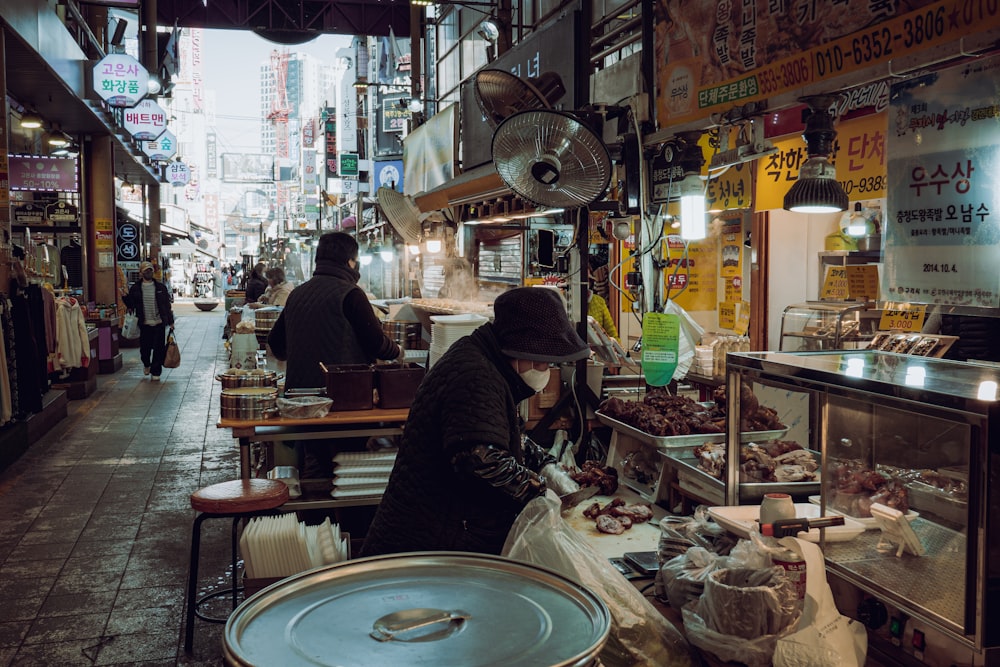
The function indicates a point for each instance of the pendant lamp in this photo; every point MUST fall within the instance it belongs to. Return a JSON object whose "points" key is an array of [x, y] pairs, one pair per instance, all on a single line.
{"points": [[817, 189]]}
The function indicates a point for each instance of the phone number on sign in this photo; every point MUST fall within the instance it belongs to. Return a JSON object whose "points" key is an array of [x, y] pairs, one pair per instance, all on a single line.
{"points": [[871, 185]]}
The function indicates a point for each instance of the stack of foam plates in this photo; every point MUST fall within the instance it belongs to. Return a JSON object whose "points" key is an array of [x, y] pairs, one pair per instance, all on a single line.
{"points": [[361, 474], [446, 329]]}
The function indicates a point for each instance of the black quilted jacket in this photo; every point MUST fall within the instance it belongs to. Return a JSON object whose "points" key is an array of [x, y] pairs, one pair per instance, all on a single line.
{"points": [[327, 319], [469, 397]]}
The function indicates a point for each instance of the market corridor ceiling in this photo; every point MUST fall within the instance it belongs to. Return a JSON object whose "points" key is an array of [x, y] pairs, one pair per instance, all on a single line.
{"points": [[290, 21]]}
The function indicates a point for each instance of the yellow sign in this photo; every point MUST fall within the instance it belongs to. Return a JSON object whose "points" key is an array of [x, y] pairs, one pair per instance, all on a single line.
{"points": [[862, 282], [903, 317], [743, 320], [104, 236], [732, 251], [731, 189], [733, 289], [835, 285], [727, 314], [693, 281], [683, 96], [859, 158]]}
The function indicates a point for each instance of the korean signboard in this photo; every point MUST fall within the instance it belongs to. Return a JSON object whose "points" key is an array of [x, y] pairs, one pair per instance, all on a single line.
{"points": [[330, 138], [178, 173], [129, 242], [942, 226], [145, 121], [38, 173], [120, 80], [162, 148]]}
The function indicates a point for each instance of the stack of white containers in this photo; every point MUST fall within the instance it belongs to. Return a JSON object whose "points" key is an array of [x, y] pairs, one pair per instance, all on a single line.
{"points": [[446, 329], [361, 474]]}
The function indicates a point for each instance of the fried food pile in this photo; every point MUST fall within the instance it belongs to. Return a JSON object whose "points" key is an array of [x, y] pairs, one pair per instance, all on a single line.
{"points": [[616, 517], [662, 414], [855, 487], [595, 473], [777, 461]]}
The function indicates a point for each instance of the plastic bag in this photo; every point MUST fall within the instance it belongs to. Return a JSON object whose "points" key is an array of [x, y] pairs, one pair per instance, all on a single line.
{"points": [[243, 351], [640, 635], [682, 579], [689, 335], [824, 637], [130, 326], [742, 614]]}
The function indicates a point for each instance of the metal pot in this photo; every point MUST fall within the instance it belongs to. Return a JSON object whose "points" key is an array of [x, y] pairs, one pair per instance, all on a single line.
{"points": [[420, 608], [256, 378], [249, 403], [405, 333]]}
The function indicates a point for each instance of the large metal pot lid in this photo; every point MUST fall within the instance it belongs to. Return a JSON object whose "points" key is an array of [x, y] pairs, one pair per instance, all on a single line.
{"points": [[427, 608]]}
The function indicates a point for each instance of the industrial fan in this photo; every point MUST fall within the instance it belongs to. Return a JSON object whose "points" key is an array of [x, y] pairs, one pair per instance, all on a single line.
{"points": [[500, 94], [402, 213]]}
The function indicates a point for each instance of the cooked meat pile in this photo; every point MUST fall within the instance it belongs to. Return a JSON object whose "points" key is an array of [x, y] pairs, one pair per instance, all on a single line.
{"points": [[853, 489], [616, 517], [777, 461], [594, 473], [662, 414]]}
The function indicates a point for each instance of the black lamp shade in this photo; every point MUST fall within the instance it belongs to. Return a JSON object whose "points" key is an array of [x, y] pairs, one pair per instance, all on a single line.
{"points": [[817, 189]]}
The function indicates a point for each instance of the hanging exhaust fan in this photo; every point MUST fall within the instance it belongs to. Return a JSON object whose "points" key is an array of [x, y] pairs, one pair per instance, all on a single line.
{"points": [[402, 213], [551, 158], [500, 94]]}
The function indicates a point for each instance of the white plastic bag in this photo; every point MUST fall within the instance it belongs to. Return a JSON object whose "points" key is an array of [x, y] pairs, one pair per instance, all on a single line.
{"points": [[243, 351], [690, 335], [640, 635], [825, 637], [130, 327]]}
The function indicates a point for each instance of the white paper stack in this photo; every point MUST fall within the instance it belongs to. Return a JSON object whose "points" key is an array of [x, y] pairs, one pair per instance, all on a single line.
{"points": [[280, 546], [446, 329], [361, 474]]}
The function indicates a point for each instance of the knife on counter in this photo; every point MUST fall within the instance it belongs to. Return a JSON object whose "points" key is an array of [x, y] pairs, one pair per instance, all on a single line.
{"points": [[571, 500]]}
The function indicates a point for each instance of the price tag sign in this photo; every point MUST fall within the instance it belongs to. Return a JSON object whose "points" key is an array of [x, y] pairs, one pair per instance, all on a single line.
{"points": [[862, 282], [743, 319], [660, 342], [835, 285], [903, 317], [727, 314]]}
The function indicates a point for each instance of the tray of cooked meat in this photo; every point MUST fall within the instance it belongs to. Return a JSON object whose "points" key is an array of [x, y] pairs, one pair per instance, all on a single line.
{"points": [[779, 466], [667, 421]]}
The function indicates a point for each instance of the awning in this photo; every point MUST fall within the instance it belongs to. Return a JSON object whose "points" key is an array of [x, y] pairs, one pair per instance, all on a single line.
{"points": [[184, 247], [479, 184]]}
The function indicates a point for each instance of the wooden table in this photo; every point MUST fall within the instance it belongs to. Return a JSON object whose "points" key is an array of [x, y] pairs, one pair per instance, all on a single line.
{"points": [[343, 424]]}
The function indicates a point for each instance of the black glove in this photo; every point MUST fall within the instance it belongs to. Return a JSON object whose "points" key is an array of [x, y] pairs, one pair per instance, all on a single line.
{"points": [[500, 470], [536, 457]]}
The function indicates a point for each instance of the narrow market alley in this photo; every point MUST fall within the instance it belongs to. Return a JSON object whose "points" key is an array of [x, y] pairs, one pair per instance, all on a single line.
{"points": [[95, 518]]}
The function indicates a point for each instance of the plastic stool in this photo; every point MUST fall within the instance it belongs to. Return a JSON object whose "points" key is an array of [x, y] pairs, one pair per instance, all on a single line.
{"points": [[238, 500]]}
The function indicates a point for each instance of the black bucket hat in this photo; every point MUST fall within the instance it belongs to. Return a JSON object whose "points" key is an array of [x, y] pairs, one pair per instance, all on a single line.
{"points": [[531, 323]]}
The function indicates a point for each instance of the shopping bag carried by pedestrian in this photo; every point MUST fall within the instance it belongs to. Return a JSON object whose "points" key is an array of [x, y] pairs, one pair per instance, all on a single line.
{"points": [[130, 327], [172, 359]]}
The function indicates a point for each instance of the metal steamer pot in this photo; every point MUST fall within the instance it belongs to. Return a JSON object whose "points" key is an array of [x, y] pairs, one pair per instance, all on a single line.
{"points": [[423, 608], [405, 333], [249, 403], [257, 378]]}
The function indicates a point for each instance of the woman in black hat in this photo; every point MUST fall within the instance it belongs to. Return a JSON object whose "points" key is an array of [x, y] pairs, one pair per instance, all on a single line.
{"points": [[463, 472]]}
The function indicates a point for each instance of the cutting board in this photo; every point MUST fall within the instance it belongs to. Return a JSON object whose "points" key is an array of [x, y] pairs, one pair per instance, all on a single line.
{"points": [[640, 537]]}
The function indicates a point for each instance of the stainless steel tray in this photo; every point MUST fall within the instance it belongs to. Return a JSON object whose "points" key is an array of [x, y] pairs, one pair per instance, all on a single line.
{"points": [[749, 491], [674, 441]]}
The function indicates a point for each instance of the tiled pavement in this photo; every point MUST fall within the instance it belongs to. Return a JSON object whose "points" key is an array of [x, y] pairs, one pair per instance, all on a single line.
{"points": [[95, 519]]}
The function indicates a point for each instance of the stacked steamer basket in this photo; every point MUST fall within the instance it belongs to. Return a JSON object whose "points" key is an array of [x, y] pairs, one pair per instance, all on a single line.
{"points": [[264, 319], [446, 329]]}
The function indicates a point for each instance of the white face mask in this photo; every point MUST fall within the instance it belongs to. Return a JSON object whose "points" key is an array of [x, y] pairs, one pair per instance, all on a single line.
{"points": [[535, 379]]}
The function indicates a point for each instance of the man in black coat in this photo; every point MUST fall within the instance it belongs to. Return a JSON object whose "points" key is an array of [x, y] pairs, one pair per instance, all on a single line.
{"points": [[149, 299], [328, 319], [464, 472]]}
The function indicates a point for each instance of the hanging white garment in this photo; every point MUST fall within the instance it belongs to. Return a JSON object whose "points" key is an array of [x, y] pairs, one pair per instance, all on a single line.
{"points": [[72, 342]]}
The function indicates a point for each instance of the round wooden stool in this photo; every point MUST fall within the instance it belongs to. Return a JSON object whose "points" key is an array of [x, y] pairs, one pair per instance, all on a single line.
{"points": [[237, 499]]}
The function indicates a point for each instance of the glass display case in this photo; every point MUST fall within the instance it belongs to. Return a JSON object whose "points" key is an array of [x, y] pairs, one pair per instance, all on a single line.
{"points": [[918, 436], [823, 325]]}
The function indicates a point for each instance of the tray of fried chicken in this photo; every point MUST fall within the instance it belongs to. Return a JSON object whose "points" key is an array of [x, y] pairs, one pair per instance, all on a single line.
{"points": [[664, 420]]}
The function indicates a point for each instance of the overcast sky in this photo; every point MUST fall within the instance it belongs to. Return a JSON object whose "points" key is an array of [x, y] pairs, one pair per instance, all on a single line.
{"points": [[231, 61]]}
